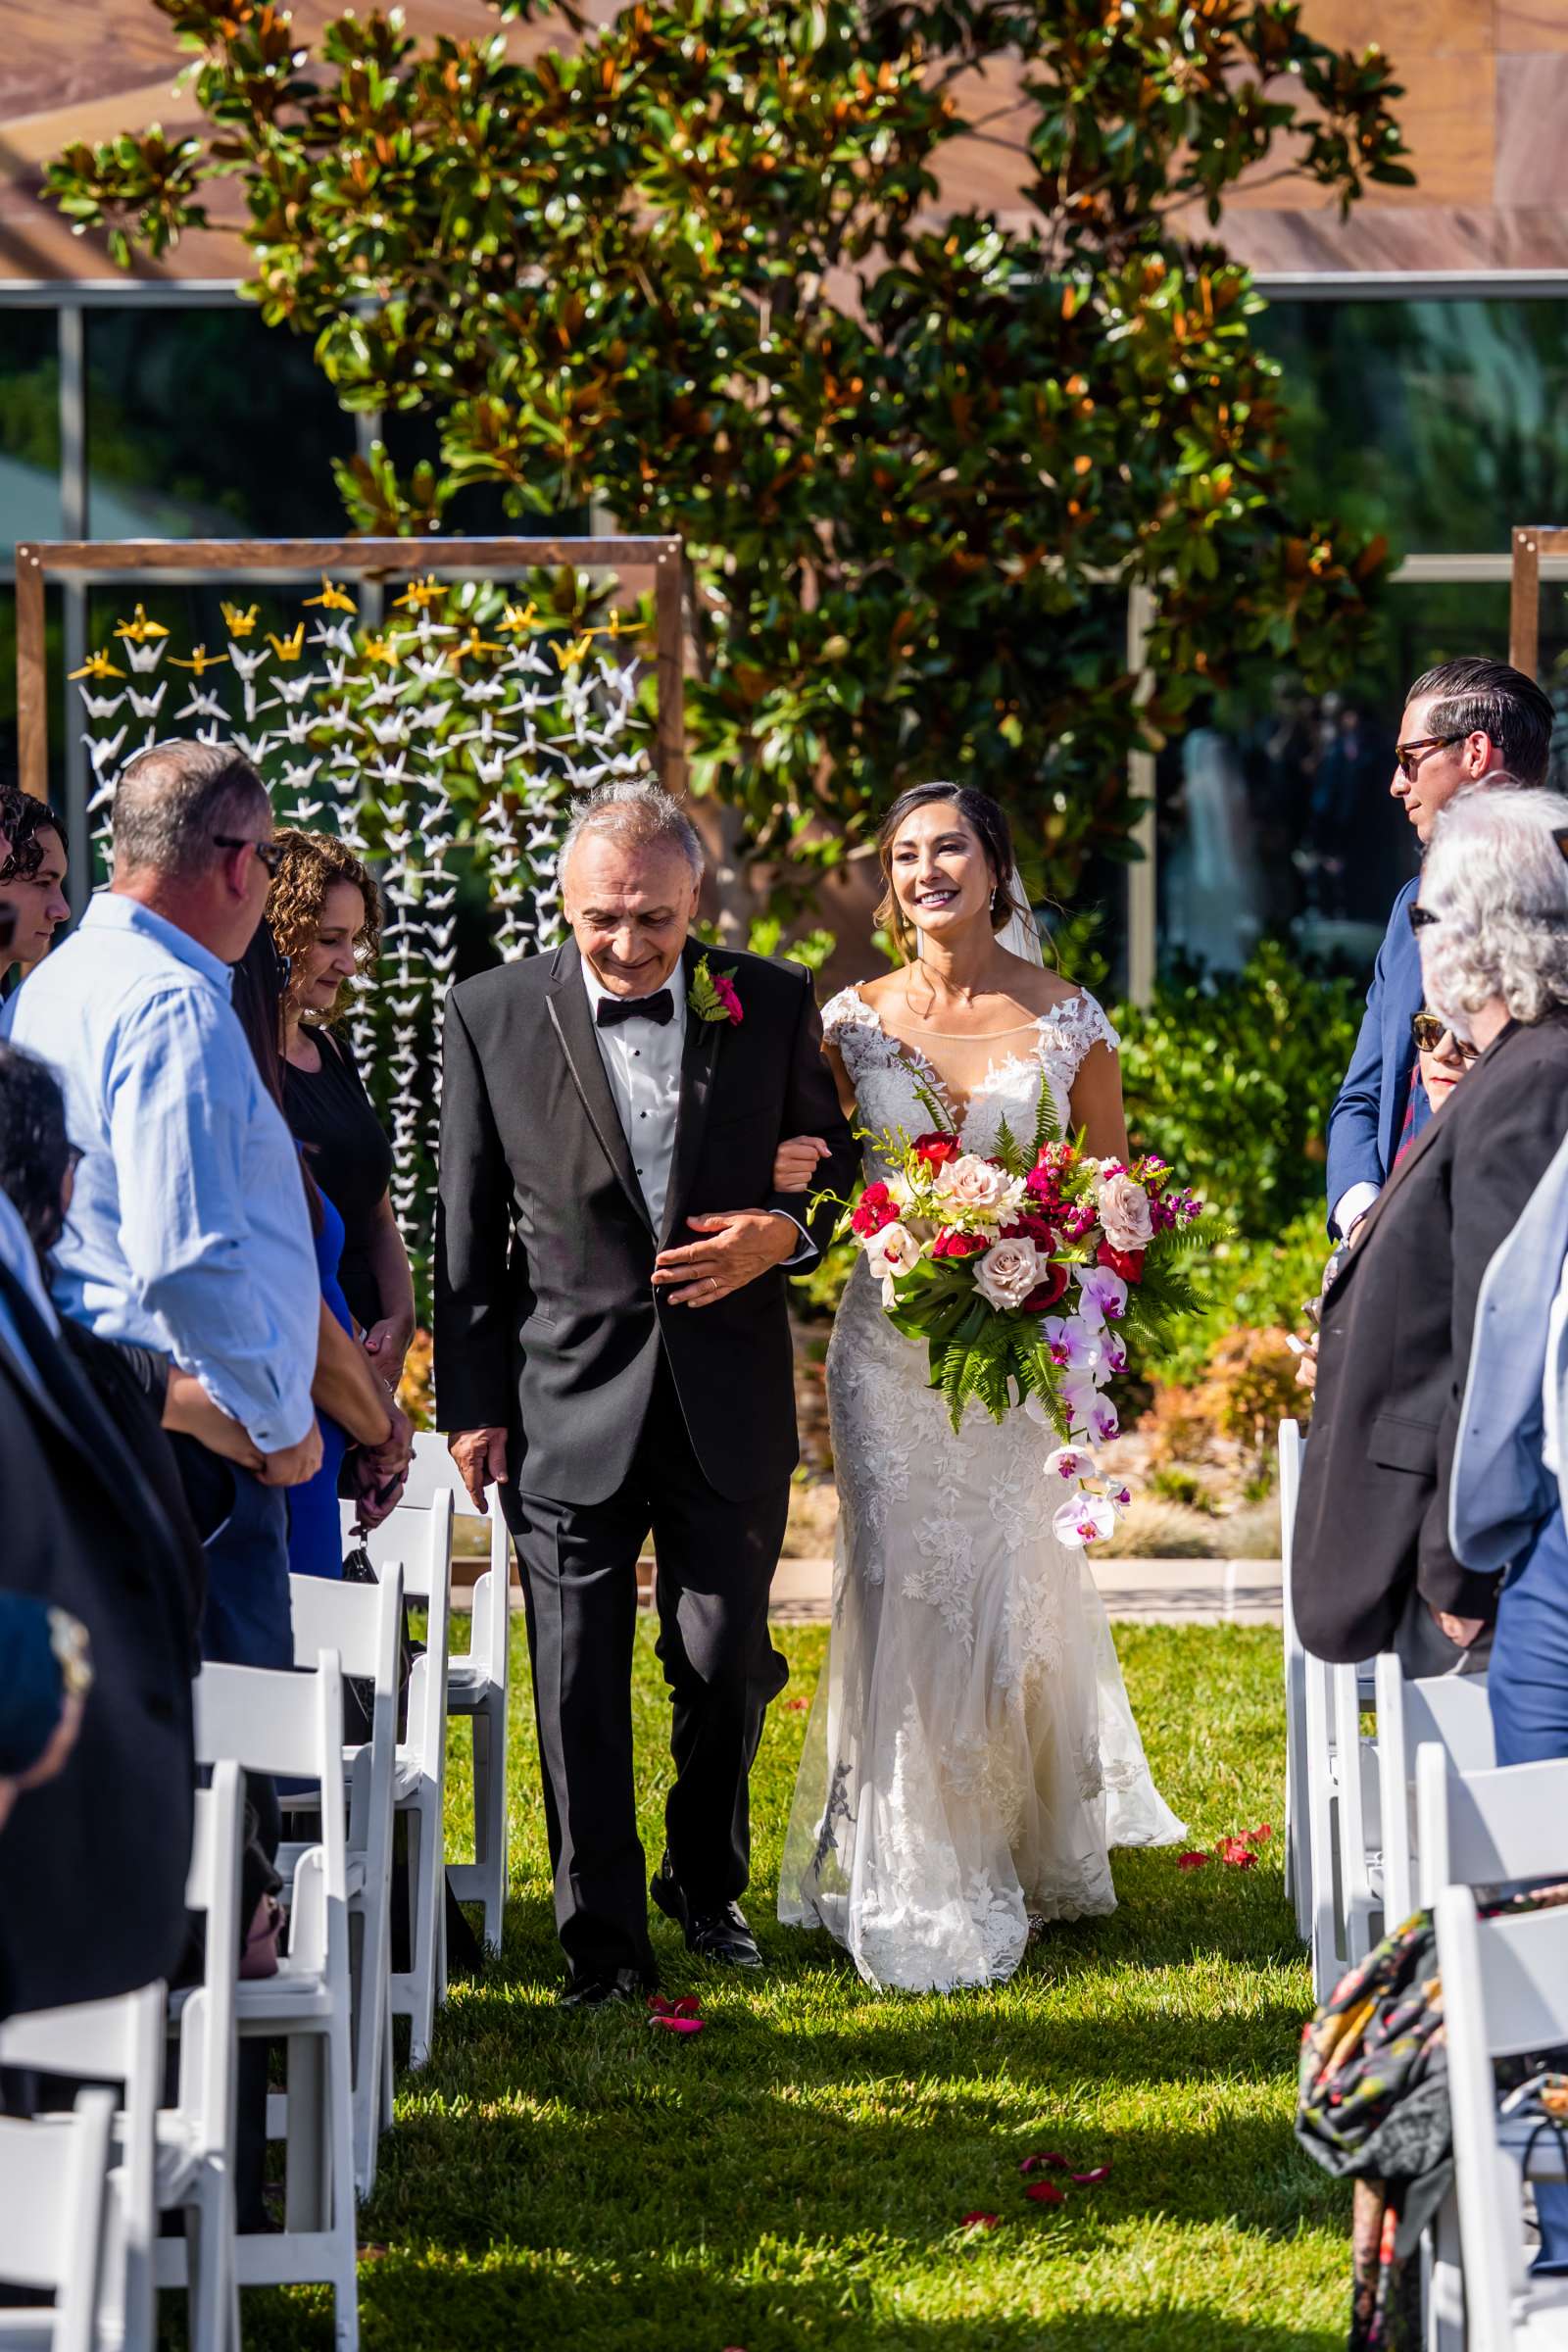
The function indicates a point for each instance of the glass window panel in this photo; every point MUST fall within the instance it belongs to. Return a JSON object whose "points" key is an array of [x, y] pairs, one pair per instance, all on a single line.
{"points": [[209, 423], [1274, 809], [1439, 422], [29, 427]]}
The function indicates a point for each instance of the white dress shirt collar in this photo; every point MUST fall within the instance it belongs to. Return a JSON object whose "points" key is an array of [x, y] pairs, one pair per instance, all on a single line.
{"points": [[676, 985]]}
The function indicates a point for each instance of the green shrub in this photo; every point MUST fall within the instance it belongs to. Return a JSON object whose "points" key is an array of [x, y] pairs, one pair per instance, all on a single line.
{"points": [[1249, 1286], [1231, 1080]]}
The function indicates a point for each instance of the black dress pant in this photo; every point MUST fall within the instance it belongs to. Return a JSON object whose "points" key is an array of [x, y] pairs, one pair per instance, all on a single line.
{"points": [[716, 1563]]}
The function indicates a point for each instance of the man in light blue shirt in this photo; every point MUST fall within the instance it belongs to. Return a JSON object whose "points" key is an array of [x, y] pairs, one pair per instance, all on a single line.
{"points": [[188, 1229]]}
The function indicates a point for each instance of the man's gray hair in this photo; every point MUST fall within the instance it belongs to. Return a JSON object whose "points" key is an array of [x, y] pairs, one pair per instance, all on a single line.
{"points": [[172, 799], [1496, 879], [639, 814]]}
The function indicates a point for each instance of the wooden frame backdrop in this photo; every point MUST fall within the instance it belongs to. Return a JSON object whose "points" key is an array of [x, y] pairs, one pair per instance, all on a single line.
{"points": [[1531, 541], [221, 560]]}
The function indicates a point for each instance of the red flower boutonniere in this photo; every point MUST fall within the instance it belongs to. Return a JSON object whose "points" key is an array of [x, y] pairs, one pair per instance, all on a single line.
{"points": [[713, 996]]}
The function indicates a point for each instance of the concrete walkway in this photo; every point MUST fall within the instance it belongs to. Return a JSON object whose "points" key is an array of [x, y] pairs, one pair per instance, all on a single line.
{"points": [[1146, 1592], [1142, 1592]]}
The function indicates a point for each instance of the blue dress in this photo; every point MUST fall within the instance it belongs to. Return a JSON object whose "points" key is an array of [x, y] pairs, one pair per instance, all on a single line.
{"points": [[315, 1537]]}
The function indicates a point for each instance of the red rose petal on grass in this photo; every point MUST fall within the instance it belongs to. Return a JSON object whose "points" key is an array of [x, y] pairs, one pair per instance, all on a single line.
{"points": [[1264, 1829], [980, 2221], [796, 1706], [1093, 2176], [1045, 2192], [677, 2016], [1192, 1860], [1044, 2163], [1237, 1854]]}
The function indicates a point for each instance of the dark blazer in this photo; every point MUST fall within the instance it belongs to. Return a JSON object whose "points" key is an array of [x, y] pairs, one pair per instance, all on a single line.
{"points": [[1367, 1120], [1373, 1515], [546, 1321], [93, 1864]]}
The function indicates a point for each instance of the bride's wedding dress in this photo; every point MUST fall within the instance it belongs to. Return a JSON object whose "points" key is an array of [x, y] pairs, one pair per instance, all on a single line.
{"points": [[972, 1753]]}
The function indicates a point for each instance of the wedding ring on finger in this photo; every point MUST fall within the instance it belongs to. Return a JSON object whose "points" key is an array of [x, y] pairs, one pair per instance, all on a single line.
{"points": [[713, 1282]]}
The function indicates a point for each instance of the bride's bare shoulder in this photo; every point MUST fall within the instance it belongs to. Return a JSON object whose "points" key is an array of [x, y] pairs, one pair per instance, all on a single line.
{"points": [[1040, 991]]}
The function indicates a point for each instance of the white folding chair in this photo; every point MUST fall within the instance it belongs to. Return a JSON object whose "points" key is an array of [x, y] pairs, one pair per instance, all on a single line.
{"points": [[196, 2138], [119, 2042], [477, 1683], [1343, 1820], [191, 2165], [1504, 1991], [54, 2187], [420, 1541], [1297, 1856], [1474, 1830], [291, 1725], [363, 1624], [1450, 1711]]}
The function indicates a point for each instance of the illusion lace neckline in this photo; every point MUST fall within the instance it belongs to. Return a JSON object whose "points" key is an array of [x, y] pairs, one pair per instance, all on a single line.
{"points": [[958, 1108]]}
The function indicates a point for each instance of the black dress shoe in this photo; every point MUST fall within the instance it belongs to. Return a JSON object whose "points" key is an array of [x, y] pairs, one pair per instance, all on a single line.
{"points": [[597, 1993], [722, 1935]]}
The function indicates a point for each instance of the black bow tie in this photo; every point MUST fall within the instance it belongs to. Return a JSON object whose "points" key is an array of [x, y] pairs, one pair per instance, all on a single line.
{"points": [[660, 1007]]}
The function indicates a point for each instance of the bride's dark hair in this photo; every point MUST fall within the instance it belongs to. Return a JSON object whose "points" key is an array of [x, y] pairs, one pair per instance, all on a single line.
{"points": [[984, 817]]}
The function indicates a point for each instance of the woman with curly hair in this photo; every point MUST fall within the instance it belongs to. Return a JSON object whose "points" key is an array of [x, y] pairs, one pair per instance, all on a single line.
{"points": [[324, 915]]}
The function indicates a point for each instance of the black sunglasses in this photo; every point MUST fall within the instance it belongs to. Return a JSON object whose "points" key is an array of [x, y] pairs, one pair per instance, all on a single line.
{"points": [[268, 853], [1420, 916], [1429, 1030]]}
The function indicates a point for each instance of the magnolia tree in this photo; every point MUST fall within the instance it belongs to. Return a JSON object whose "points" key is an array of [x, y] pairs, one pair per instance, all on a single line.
{"points": [[695, 265]]}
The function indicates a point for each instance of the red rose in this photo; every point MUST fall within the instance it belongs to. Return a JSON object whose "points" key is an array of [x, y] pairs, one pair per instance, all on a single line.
{"points": [[949, 1243], [1044, 1297], [1128, 1263], [876, 1209], [1031, 1228], [936, 1149]]}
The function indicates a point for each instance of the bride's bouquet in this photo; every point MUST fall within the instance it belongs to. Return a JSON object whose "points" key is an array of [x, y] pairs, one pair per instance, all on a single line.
{"points": [[1026, 1271]]}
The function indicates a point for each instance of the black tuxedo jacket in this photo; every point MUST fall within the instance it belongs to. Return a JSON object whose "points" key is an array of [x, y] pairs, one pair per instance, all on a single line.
{"points": [[1394, 1353], [93, 1864], [546, 1320]]}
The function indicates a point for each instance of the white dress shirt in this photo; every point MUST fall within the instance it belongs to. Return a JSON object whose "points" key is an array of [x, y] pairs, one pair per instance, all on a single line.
{"points": [[188, 1230], [1351, 1207], [642, 1061]]}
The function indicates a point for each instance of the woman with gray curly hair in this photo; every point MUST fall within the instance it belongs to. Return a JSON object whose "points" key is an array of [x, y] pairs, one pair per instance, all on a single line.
{"points": [[1372, 1561], [1492, 912]]}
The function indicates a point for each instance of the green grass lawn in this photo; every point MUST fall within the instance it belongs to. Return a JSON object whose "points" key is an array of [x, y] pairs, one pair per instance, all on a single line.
{"points": [[795, 2176]]}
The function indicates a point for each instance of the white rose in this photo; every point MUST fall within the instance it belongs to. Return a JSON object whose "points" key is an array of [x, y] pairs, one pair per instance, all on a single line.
{"points": [[891, 1252], [1124, 1213], [973, 1183], [1008, 1272]]}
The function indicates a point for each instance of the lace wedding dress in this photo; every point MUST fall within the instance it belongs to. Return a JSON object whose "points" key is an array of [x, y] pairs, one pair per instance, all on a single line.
{"points": [[972, 1753]]}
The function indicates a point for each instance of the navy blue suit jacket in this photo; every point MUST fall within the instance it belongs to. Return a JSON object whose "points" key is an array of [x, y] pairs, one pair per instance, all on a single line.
{"points": [[1368, 1121]]}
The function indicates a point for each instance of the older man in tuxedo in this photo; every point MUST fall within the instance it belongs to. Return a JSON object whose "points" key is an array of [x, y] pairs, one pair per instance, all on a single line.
{"points": [[600, 1104]]}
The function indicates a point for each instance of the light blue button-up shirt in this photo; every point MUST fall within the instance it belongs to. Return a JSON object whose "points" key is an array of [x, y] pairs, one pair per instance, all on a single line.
{"points": [[188, 1230]]}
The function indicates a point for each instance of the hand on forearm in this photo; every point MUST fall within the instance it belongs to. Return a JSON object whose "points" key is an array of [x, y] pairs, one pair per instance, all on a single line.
{"points": [[347, 1389], [737, 1247], [188, 1409]]}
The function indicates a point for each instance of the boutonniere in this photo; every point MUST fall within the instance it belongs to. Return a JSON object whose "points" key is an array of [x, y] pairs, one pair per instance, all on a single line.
{"points": [[713, 996]]}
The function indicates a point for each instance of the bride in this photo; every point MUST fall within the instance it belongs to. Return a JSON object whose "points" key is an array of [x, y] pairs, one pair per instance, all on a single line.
{"points": [[971, 1754]]}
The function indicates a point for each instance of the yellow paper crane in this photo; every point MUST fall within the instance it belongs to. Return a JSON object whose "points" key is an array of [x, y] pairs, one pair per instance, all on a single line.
{"points": [[473, 644], [516, 619], [200, 660], [332, 598], [381, 649], [138, 630], [418, 594], [97, 665], [289, 647], [569, 656], [238, 623]]}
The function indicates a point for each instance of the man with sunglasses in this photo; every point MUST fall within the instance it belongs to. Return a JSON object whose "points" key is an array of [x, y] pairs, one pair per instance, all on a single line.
{"points": [[188, 1231], [1469, 721]]}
